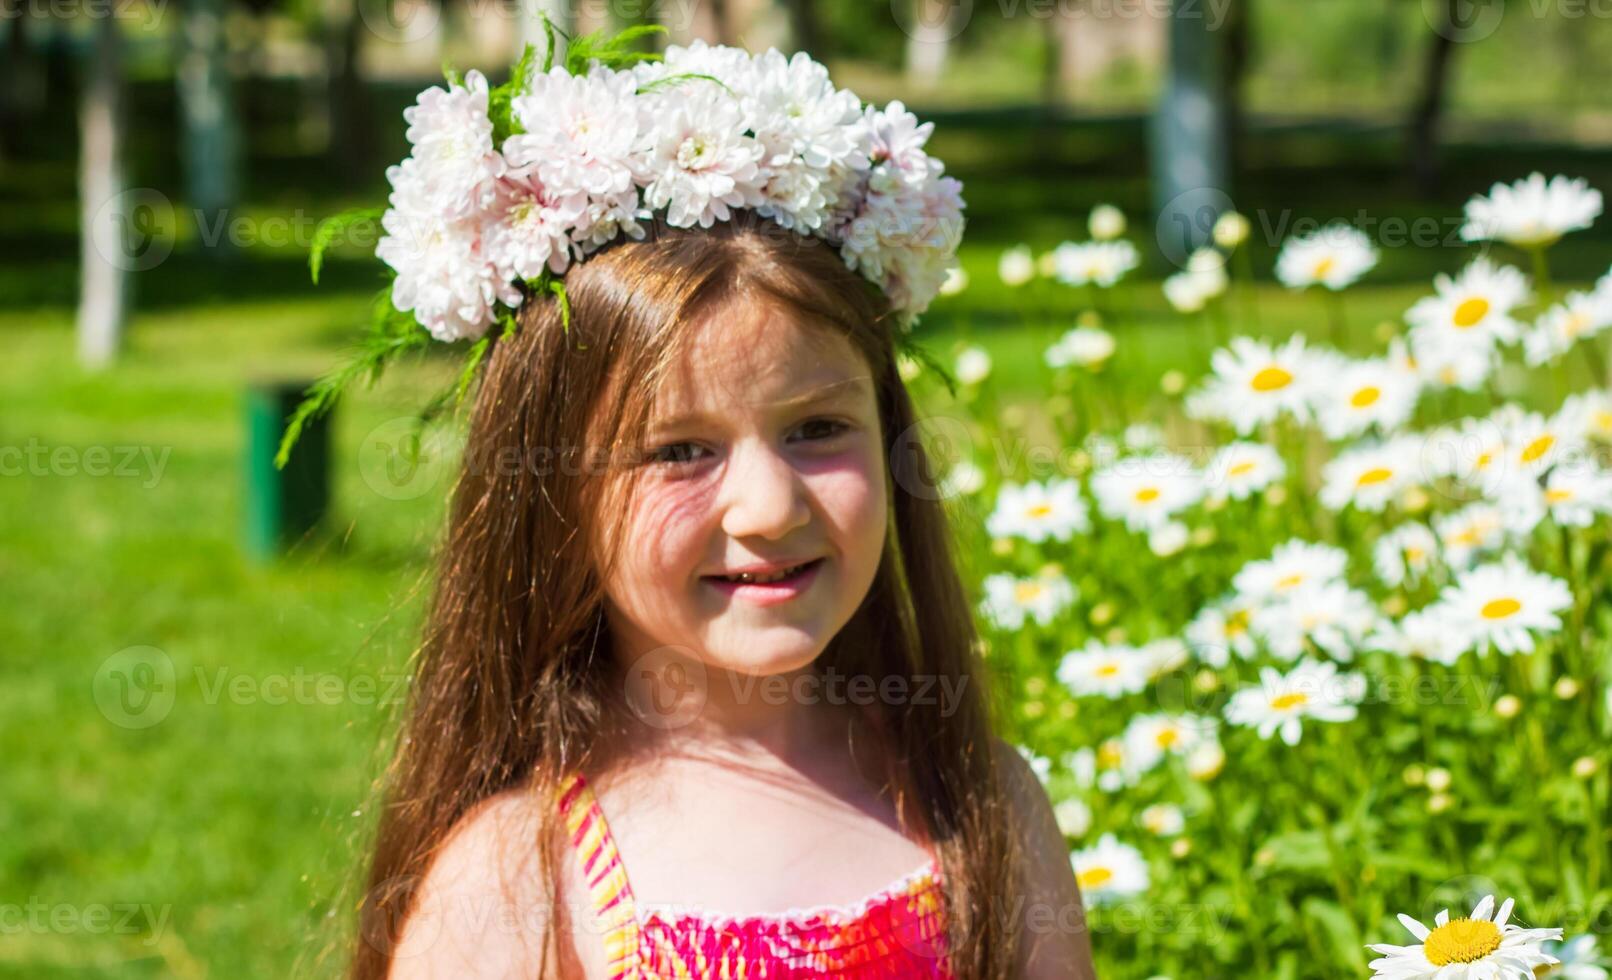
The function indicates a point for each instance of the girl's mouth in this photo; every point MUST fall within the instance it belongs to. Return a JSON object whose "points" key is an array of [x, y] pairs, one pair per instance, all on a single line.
{"points": [[780, 586]]}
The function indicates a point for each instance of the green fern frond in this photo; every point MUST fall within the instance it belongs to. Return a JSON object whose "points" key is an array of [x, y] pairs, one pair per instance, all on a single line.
{"points": [[325, 235]]}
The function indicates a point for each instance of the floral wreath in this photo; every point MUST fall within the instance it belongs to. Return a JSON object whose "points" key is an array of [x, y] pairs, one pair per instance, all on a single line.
{"points": [[508, 186]]}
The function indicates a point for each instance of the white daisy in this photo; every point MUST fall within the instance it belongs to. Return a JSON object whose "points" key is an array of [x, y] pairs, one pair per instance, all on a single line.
{"points": [[1221, 629], [1150, 737], [1504, 602], [1368, 477], [1168, 538], [1009, 599], [1255, 383], [1109, 870], [1531, 213], [1405, 554], [1206, 761], [1586, 416], [1467, 948], [1469, 532], [1579, 960], [1039, 764], [1146, 491], [1094, 263], [1366, 393], [700, 166], [1202, 280], [1575, 495], [1037, 512], [1334, 256], [1472, 308], [1082, 346], [1444, 363], [1241, 469], [1162, 820], [1164, 654], [1294, 565], [1330, 616], [1426, 634], [1281, 703], [1111, 671], [1231, 230], [1578, 316], [1073, 816]]}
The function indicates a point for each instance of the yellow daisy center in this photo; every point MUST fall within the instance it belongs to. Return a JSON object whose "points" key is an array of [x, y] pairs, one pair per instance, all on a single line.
{"points": [[1574, 325], [1461, 941], [1094, 877], [1271, 378], [1370, 477], [1237, 622], [1147, 495], [1500, 608], [1324, 266], [1246, 466], [1366, 397], [1538, 448], [1290, 581], [1038, 510], [1471, 312], [1603, 421], [1167, 737], [1287, 702], [1107, 670], [1028, 591], [1557, 495]]}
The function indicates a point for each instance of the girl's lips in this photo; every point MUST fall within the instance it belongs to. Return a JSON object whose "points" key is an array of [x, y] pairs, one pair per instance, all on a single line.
{"points": [[769, 593]]}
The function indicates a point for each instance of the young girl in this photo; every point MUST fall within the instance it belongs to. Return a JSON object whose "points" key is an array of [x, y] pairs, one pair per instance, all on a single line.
{"points": [[698, 694]]}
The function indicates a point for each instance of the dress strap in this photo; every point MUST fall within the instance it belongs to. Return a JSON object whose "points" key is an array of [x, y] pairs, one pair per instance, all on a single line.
{"points": [[606, 875]]}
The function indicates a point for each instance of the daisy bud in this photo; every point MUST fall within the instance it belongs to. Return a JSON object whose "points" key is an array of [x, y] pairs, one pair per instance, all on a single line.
{"points": [[1203, 537], [1002, 547], [1074, 817], [1276, 495], [1438, 780], [1585, 766], [1507, 706], [973, 366], [1115, 636], [1173, 382], [1047, 265], [1034, 709], [1180, 848], [1231, 230], [1016, 267], [1565, 688], [1106, 223], [1439, 802], [908, 367], [1415, 775], [1101, 614], [1205, 681]]}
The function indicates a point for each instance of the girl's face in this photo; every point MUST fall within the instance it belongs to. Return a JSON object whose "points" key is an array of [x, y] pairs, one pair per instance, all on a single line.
{"points": [[763, 455]]}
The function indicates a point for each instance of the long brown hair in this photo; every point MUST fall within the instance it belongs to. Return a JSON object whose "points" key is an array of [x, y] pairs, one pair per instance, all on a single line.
{"points": [[512, 680]]}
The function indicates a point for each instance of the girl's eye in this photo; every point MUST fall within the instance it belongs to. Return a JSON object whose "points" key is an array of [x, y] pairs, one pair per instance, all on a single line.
{"points": [[819, 429], [676, 453]]}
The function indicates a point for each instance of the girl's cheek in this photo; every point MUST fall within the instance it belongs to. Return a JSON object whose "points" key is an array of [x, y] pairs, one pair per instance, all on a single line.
{"points": [[852, 495], [668, 527]]}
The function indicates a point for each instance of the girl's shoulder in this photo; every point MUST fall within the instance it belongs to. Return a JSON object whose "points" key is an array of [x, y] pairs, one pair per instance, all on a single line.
{"points": [[482, 908]]}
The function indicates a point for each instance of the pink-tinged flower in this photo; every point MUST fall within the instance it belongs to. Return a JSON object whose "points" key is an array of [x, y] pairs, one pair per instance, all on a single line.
{"points": [[452, 140], [583, 132], [530, 229], [701, 166]]}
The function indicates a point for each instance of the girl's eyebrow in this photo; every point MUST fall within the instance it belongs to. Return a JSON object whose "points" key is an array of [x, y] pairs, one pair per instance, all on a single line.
{"points": [[829, 391]]}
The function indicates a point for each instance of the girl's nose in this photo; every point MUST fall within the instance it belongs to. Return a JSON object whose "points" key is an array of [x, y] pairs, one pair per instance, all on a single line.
{"points": [[762, 495]]}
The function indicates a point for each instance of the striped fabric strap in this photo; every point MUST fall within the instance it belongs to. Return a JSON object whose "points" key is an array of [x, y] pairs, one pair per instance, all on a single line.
{"points": [[605, 874]]}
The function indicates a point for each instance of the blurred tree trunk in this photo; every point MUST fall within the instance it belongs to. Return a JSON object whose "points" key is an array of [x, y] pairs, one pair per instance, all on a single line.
{"points": [[103, 276], [929, 40], [211, 138], [1188, 133], [1236, 48], [803, 26], [351, 128], [17, 74], [1422, 130]]}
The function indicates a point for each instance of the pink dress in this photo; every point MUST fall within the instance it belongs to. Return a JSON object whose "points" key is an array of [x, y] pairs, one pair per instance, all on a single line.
{"points": [[898, 932]]}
